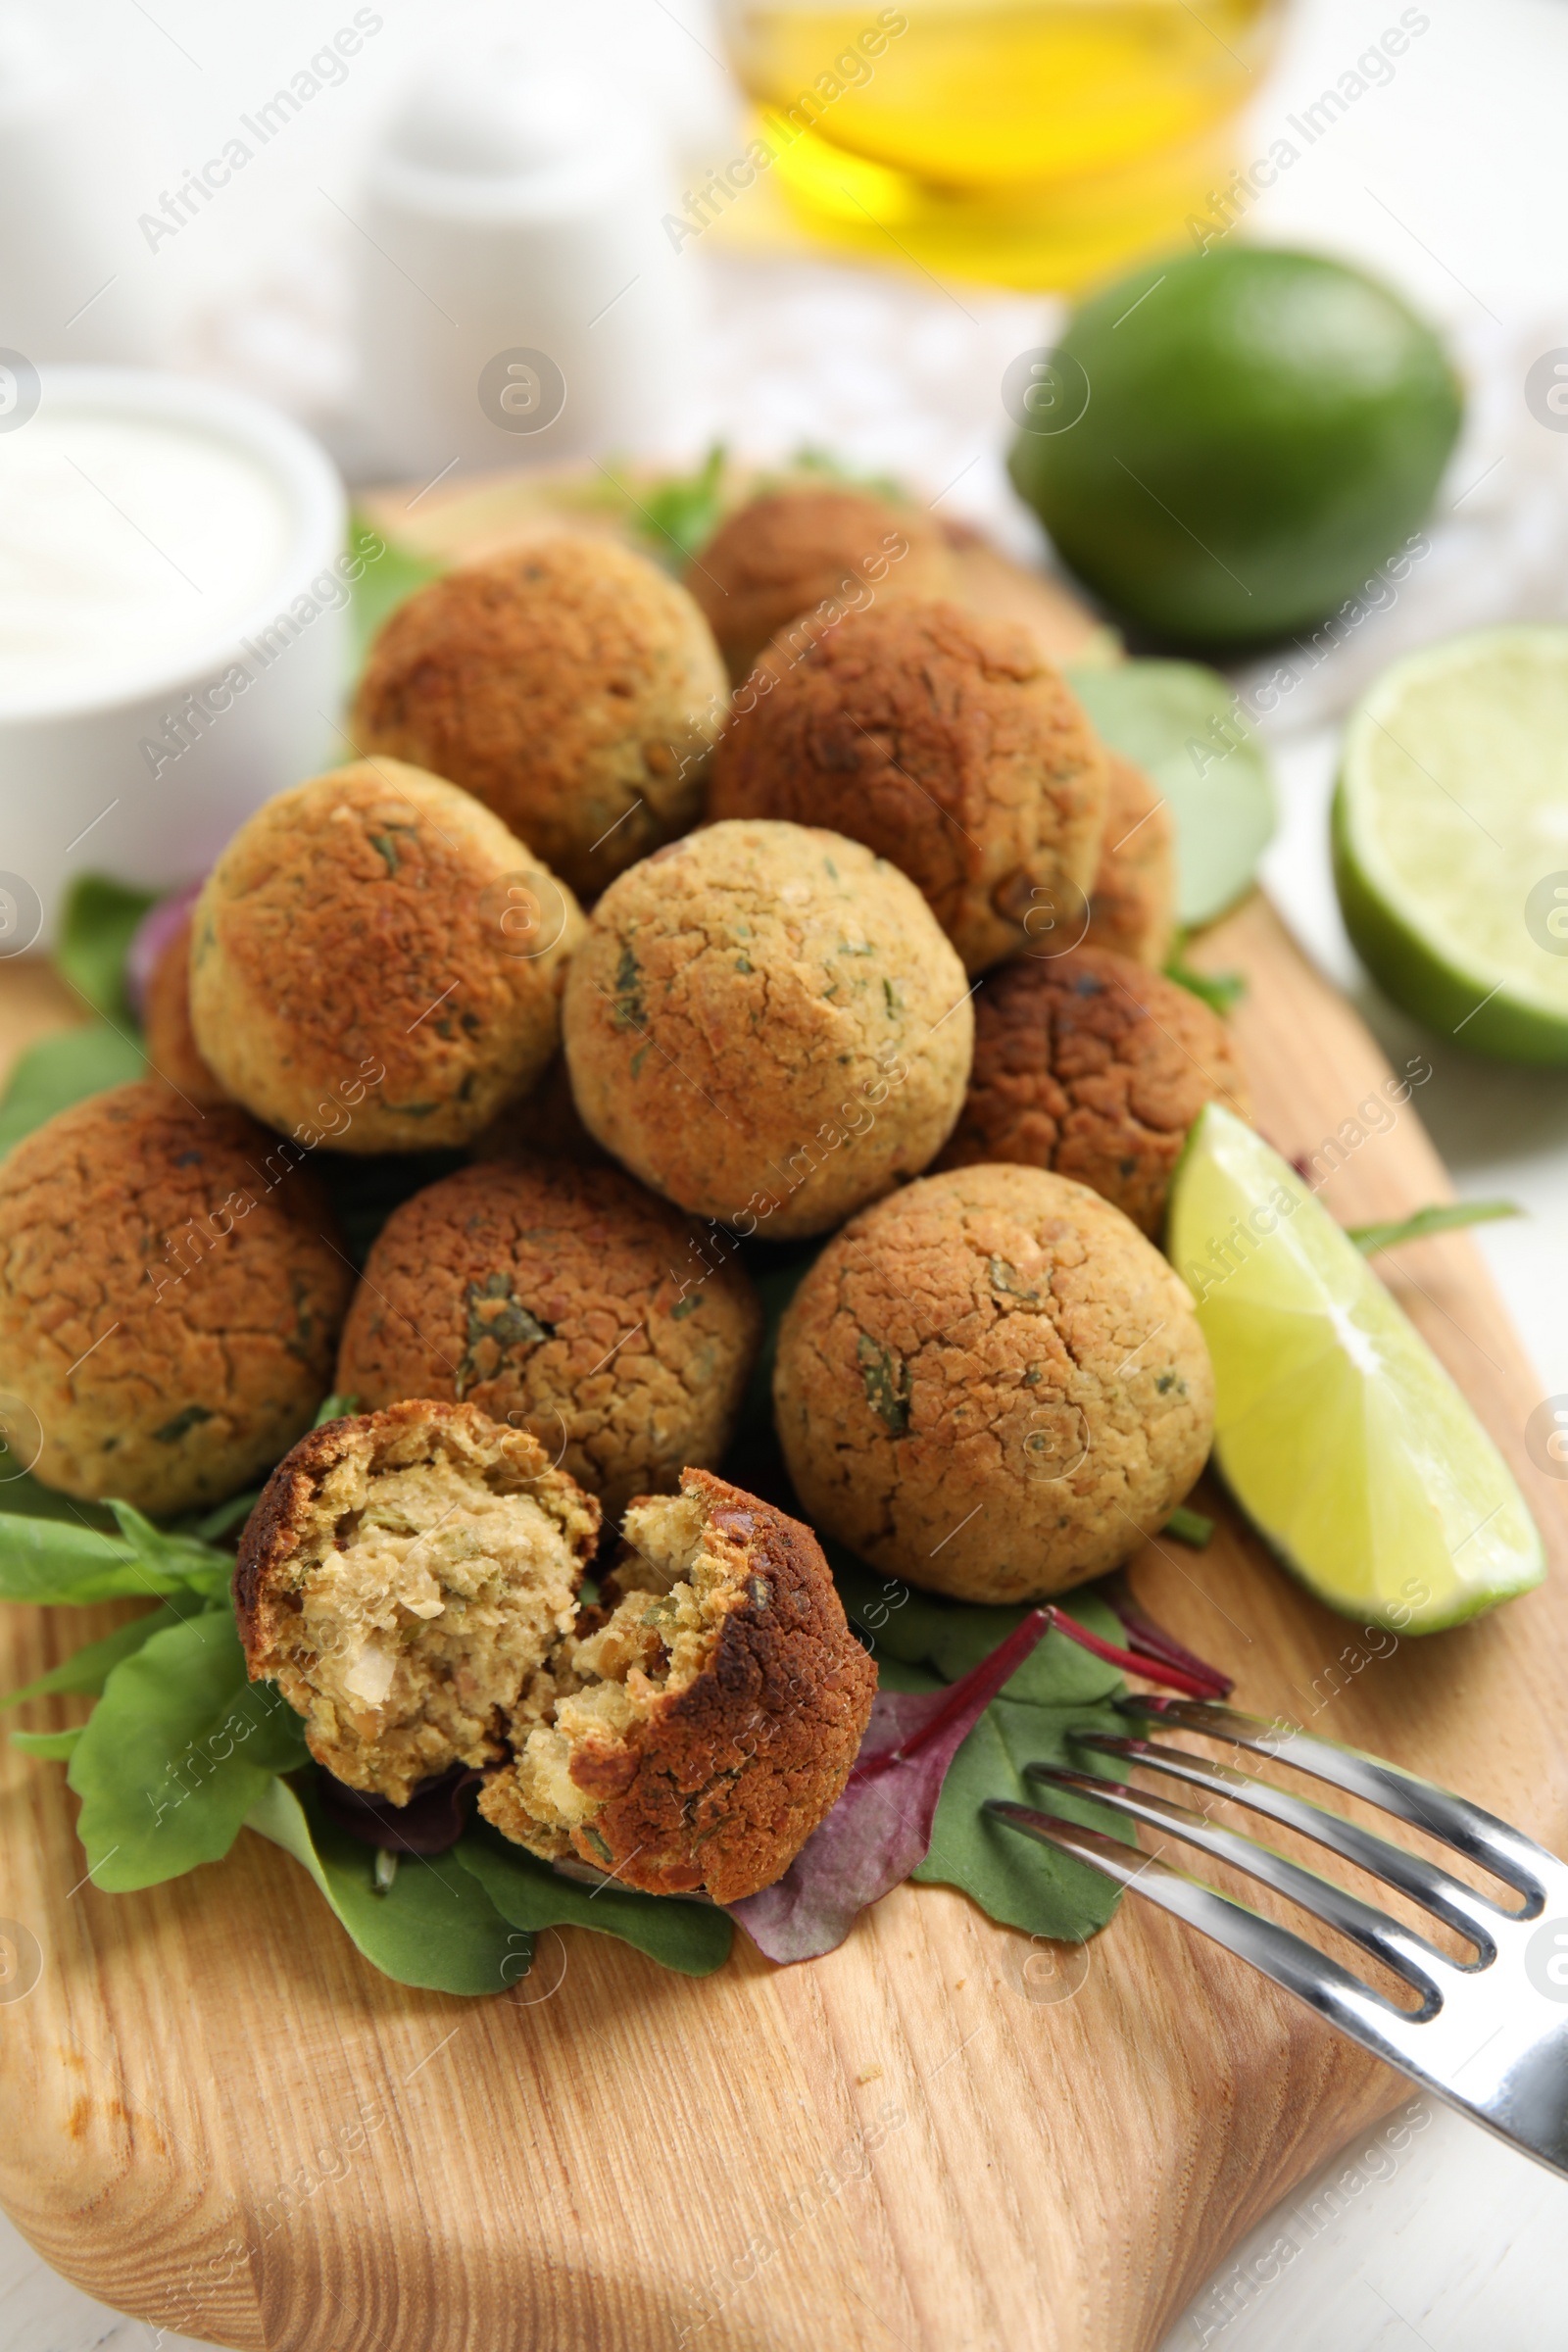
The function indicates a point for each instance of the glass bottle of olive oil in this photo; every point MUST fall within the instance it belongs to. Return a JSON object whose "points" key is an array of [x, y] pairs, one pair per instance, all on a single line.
{"points": [[1032, 142]]}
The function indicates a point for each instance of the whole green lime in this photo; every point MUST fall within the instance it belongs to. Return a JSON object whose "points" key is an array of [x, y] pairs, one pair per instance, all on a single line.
{"points": [[1225, 446]]}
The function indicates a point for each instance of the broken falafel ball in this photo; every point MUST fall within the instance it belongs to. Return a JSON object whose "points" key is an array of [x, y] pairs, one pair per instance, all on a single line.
{"points": [[172, 1283], [377, 962], [1132, 905], [806, 551], [1091, 1066], [693, 1740], [766, 1025], [570, 685], [948, 744], [566, 1300], [401, 1579], [992, 1386]]}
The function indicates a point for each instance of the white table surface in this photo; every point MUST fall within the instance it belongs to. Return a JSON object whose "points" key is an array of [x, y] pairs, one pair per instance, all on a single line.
{"points": [[1452, 182]]}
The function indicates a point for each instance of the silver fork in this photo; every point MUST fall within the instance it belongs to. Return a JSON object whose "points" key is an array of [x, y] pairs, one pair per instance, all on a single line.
{"points": [[1490, 2035]]}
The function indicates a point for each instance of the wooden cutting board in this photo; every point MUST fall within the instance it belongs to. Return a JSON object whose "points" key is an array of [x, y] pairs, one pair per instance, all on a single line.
{"points": [[216, 2116]]}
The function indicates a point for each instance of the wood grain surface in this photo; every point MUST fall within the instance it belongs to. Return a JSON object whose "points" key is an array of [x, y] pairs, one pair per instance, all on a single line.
{"points": [[942, 2137], [216, 2116]]}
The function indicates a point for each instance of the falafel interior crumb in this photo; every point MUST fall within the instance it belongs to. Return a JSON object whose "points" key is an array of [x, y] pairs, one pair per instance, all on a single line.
{"points": [[422, 1600], [675, 1592]]}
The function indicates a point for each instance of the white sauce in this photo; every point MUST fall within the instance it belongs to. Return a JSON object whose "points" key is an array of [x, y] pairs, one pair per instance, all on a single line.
{"points": [[126, 548]]}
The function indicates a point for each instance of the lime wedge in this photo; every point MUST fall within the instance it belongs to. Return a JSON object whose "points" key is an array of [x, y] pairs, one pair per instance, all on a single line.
{"points": [[1337, 1429], [1450, 839]]}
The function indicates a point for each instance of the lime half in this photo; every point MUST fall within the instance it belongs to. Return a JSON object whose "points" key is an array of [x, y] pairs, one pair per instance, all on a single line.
{"points": [[1450, 839], [1337, 1429]]}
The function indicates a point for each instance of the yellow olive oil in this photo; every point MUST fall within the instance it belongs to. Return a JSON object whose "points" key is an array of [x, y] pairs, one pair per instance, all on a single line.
{"points": [[1032, 142]]}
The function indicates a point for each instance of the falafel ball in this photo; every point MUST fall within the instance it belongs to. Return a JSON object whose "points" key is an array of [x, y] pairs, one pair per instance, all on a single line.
{"points": [[570, 685], [696, 1736], [565, 1300], [170, 1292], [1132, 906], [401, 1579], [766, 1027], [947, 743], [810, 550], [169, 1038], [992, 1386], [377, 962], [1091, 1066]]}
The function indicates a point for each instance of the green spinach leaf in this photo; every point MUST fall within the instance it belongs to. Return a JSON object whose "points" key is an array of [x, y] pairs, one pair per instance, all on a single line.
{"points": [[1059, 1690], [97, 923], [177, 1750], [65, 1068], [1181, 724], [434, 1927], [692, 1937]]}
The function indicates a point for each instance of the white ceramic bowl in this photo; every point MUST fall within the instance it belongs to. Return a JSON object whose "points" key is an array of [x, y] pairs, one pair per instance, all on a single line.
{"points": [[144, 768]]}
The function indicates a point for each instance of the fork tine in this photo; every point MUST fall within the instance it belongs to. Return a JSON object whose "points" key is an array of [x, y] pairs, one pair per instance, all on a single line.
{"points": [[1447, 1898], [1503, 1851], [1342, 1999], [1419, 1962]]}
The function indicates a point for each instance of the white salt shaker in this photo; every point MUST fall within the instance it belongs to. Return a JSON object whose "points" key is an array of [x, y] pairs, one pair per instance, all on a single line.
{"points": [[519, 296]]}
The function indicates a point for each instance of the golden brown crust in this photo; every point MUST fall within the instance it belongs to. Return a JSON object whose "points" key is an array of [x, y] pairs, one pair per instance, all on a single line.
{"points": [[377, 962], [569, 684], [992, 1385], [171, 1053], [566, 1300], [170, 1290], [766, 1027], [801, 549], [720, 1785], [1132, 906], [948, 744], [1095, 1068]]}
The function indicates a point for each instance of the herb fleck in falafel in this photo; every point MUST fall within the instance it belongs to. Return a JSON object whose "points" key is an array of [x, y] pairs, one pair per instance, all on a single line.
{"points": [[767, 1027], [810, 550], [696, 1736], [570, 685], [992, 1386], [948, 744], [566, 1300], [170, 1292], [1095, 1068], [377, 962]]}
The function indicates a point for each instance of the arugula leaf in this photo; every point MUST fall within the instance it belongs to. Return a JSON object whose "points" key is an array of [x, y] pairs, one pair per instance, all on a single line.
{"points": [[59, 1560], [87, 1668], [434, 1925], [53, 1746], [1221, 992], [1444, 1216], [1184, 727], [177, 1750], [98, 921], [65, 1068], [692, 1937], [681, 512]]}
